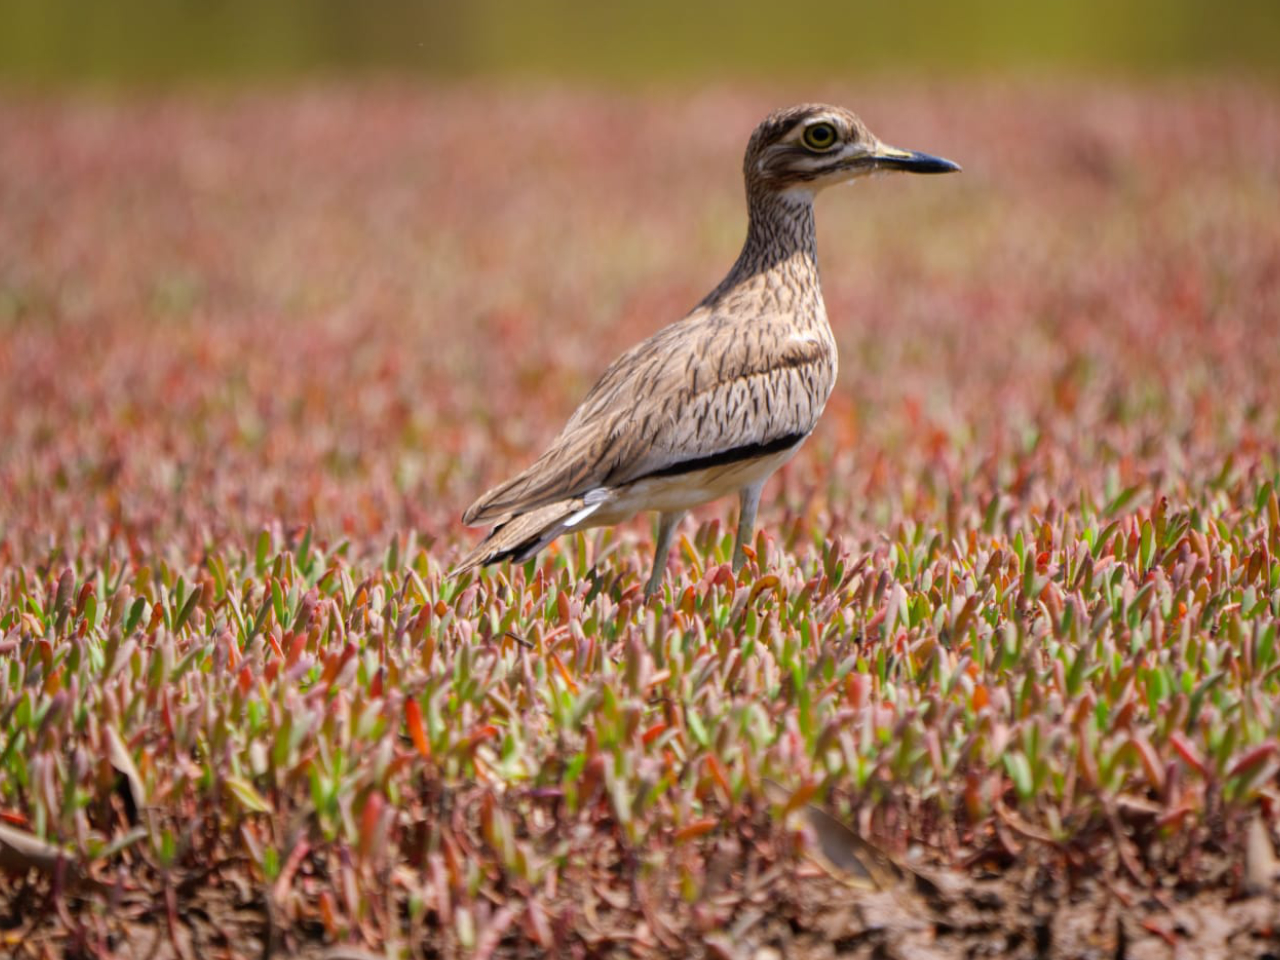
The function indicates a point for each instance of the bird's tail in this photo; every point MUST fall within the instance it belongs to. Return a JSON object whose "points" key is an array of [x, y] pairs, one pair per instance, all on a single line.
{"points": [[521, 536]]}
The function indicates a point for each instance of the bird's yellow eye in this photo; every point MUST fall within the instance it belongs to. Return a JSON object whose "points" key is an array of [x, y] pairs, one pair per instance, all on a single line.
{"points": [[820, 136]]}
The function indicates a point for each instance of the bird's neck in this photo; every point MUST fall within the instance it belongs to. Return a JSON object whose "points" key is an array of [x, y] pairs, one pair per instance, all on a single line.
{"points": [[780, 249], [780, 227]]}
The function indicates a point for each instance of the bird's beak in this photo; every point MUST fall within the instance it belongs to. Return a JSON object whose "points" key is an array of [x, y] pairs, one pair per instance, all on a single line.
{"points": [[885, 157]]}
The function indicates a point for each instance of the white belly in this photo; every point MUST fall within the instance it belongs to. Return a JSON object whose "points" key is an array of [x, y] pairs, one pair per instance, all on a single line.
{"points": [[685, 491]]}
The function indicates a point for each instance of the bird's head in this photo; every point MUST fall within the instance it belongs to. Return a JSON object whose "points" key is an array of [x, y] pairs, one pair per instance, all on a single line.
{"points": [[813, 146]]}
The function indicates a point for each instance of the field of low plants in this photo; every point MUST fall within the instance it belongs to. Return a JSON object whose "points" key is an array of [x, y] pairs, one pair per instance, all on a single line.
{"points": [[1002, 677]]}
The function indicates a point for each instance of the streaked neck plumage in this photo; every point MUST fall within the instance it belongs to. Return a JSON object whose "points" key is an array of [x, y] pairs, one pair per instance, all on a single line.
{"points": [[780, 227], [779, 259]]}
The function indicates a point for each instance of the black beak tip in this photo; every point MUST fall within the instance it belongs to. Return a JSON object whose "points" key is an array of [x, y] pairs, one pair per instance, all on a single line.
{"points": [[927, 163]]}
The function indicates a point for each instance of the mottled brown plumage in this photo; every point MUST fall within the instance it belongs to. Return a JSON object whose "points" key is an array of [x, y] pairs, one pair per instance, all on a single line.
{"points": [[717, 401]]}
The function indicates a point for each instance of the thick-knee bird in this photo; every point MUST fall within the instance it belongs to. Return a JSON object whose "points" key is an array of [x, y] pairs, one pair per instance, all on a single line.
{"points": [[716, 402]]}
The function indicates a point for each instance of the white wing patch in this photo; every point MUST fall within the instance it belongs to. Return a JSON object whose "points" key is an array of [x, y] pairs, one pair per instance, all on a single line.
{"points": [[579, 515]]}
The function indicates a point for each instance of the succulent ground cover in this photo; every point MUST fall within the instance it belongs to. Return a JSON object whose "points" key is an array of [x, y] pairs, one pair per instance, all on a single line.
{"points": [[1001, 678]]}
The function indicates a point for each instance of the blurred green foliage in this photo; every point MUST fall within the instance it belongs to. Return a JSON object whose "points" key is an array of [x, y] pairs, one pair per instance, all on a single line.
{"points": [[164, 40]]}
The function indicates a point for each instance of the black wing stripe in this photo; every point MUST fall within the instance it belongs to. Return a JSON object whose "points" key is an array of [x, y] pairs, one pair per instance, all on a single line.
{"points": [[751, 451]]}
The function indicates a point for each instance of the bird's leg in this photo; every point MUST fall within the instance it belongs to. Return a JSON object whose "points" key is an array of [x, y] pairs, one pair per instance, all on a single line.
{"points": [[750, 500], [667, 523]]}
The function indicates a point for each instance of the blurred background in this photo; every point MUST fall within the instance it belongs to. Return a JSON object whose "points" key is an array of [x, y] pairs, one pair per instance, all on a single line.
{"points": [[346, 264], [133, 41]]}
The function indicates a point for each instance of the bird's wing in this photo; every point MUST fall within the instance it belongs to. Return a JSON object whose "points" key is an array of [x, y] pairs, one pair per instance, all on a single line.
{"points": [[709, 389]]}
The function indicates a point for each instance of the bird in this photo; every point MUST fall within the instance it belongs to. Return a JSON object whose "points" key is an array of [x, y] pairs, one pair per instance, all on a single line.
{"points": [[716, 402]]}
